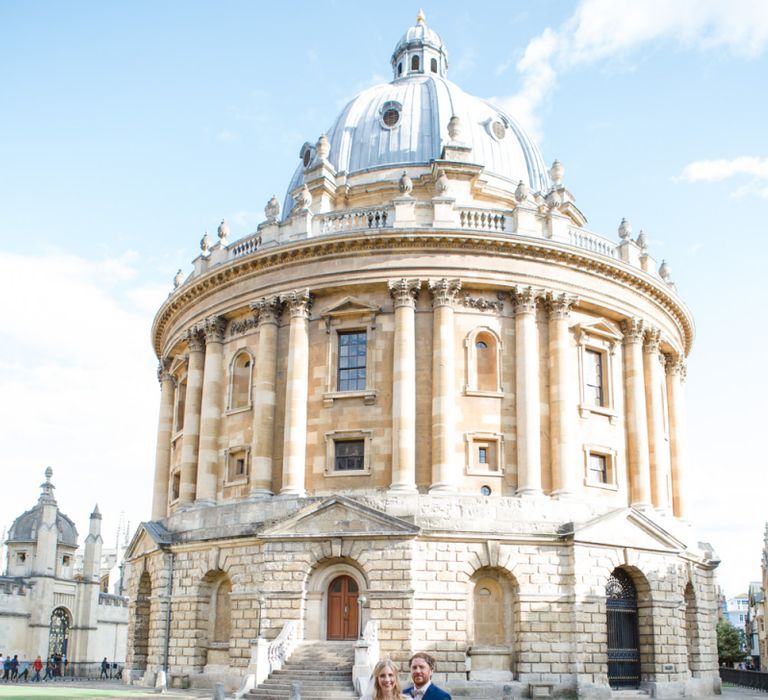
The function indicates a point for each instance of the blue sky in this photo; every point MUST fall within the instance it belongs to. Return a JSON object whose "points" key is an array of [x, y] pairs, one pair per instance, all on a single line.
{"points": [[128, 129]]}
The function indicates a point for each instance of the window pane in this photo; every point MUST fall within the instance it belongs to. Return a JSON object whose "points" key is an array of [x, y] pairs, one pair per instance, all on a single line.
{"points": [[349, 455], [593, 378], [351, 367]]}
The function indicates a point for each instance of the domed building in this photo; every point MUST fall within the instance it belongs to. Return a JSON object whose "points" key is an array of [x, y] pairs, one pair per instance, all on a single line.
{"points": [[423, 407], [51, 603]]}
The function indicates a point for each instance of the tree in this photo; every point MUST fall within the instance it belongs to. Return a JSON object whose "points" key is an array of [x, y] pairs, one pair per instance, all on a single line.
{"points": [[730, 643]]}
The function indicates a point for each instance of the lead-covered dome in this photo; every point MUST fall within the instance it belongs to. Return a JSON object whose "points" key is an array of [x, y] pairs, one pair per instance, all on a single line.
{"points": [[406, 122]]}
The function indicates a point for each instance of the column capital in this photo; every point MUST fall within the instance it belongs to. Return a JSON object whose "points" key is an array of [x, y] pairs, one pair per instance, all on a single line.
{"points": [[213, 328], [675, 365], [299, 302], [404, 291], [633, 330], [267, 309], [163, 370], [652, 340], [444, 291], [559, 305], [524, 299], [194, 339]]}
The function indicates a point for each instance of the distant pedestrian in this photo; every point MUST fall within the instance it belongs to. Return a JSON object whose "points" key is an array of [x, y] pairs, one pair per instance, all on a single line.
{"points": [[104, 669], [48, 670], [37, 665], [15, 667], [24, 671], [7, 668]]}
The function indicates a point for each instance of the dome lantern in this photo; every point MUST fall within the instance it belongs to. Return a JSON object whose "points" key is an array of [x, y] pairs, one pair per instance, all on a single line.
{"points": [[420, 51]]}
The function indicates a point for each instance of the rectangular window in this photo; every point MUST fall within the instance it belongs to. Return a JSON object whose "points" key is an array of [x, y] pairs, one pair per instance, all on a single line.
{"points": [[349, 455], [482, 455], [594, 378], [598, 468], [237, 464], [181, 400], [351, 368], [175, 486]]}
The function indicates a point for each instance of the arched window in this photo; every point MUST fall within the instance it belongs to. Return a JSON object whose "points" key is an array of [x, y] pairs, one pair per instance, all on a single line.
{"points": [[222, 612], [433, 65], [58, 638], [400, 68], [489, 612], [240, 380], [415, 63], [483, 375]]}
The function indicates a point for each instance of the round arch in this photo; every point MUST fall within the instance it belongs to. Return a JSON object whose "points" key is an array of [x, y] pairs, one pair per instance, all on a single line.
{"points": [[483, 347], [58, 631], [318, 583]]}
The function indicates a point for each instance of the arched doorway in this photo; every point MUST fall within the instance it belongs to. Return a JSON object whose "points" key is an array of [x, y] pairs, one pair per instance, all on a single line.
{"points": [[141, 623], [343, 622], [58, 637], [623, 637]]}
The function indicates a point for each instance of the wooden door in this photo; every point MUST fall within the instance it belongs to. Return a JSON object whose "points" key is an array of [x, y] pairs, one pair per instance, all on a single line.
{"points": [[342, 608]]}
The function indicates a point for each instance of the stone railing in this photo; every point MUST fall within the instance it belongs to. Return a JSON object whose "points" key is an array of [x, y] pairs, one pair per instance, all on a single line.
{"points": [[281, 648], [112, 599], [482, 219], [367, 652], [354, 220], [592, 242], [245, 246]]}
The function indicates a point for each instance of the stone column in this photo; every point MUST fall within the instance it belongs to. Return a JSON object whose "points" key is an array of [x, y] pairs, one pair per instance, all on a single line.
{"points": [[444, 438], [562, 404], [404, 292], [527, 400], [296, 393], [659, 452], [264, 398], [678, 434], [210, 411], [191, 439], [637, 419], [163, 448]]}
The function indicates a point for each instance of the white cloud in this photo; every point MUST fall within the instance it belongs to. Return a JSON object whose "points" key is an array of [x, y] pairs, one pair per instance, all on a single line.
{"points": [[77, 381], [718, 170], [600, 30]]}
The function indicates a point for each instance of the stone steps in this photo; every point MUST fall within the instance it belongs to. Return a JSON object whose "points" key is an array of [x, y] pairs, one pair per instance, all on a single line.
{"points": [[323, 671]]}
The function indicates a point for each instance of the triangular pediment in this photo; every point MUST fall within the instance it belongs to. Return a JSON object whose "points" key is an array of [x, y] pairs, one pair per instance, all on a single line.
{"points": [[350, 306], [600, 328], [339, 517], [626, 527], [149, 537]]}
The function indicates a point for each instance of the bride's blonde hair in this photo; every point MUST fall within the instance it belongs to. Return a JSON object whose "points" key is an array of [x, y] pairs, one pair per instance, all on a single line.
{"points": [[378, 693]]}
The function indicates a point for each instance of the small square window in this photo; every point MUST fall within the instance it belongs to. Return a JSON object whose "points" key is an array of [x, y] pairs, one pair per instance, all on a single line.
{"points": [[65, 560], [484, 454], [237, 465], [350, 455], [21, 556], [600, 466]]}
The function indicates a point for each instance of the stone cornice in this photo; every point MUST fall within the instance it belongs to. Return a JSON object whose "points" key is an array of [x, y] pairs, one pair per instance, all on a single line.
{"points": [[353, 245]]}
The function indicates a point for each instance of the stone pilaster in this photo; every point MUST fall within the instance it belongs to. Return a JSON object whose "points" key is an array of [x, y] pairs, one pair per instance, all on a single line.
{"points": [[190, 443], [264, 400], [404, 292], [657, 441], [210, 410], [636, 419], [562, 404], [527, 401], [678, 434], [295, 439], [444, 439], [163, 447]]}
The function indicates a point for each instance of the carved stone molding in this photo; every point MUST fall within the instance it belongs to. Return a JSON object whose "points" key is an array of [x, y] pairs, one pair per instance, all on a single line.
{"points": [[652, 340], [404, 291], [213, 327], [633, 330], [163, 371], [483, 304], [444, 291], [194, 339], [269, 309], [674, 364], [299, 302], [525, 299], [242, 326], [559, 305]]}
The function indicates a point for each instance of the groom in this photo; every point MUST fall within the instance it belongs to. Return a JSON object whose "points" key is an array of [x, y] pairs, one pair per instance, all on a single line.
{"points": [[422, 667]]}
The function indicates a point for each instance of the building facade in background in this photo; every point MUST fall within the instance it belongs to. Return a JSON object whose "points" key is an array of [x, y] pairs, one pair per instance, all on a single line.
{"points": [[425, 408], [50, 605]]}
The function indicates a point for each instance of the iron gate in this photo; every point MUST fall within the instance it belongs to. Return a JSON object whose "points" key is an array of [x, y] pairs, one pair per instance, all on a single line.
{"points": [[623, 651]]}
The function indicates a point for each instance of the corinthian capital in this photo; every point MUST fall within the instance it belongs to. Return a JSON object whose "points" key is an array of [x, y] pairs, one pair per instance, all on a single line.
{"points": [[675, 365], [444, 291], [559, 305], [299, 302], [163, 373], [194, 339], [525, 299], [633, 329], [268, 309], [652, 340], [213, 328], [404, 291]]}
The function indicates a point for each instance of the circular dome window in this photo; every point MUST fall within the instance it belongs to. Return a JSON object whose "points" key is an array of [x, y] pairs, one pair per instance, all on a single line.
{"points": [[390, 114], [306, 154], [485, 490], [498, 129]]}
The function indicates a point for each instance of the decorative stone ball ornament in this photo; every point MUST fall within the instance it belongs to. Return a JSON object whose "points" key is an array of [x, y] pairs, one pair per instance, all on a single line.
{"points": [[441, 184], [303, 198], [454, 128], [405, 184], [521, 192], [223, 231], [272, 210], [178, 278], [205, 243], [556, 172], [642, 241], [323, 147], [625, 230]]}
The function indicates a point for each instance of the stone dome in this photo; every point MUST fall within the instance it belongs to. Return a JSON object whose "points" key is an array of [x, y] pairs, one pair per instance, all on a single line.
{"points": [[405, 122]]}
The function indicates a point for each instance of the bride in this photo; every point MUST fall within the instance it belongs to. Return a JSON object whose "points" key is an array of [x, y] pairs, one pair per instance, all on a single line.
{"points": [[386, 685]]}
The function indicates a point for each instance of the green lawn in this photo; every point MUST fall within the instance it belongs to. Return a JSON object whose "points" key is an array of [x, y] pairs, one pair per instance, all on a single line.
{"points": [[17, 692]]}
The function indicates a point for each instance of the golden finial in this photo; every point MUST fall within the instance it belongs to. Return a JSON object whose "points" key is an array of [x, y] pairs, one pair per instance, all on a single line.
{"points": [[421, 18]]}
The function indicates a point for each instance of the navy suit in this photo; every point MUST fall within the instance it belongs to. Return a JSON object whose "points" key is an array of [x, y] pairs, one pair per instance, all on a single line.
{"points": [[433, 693]]}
